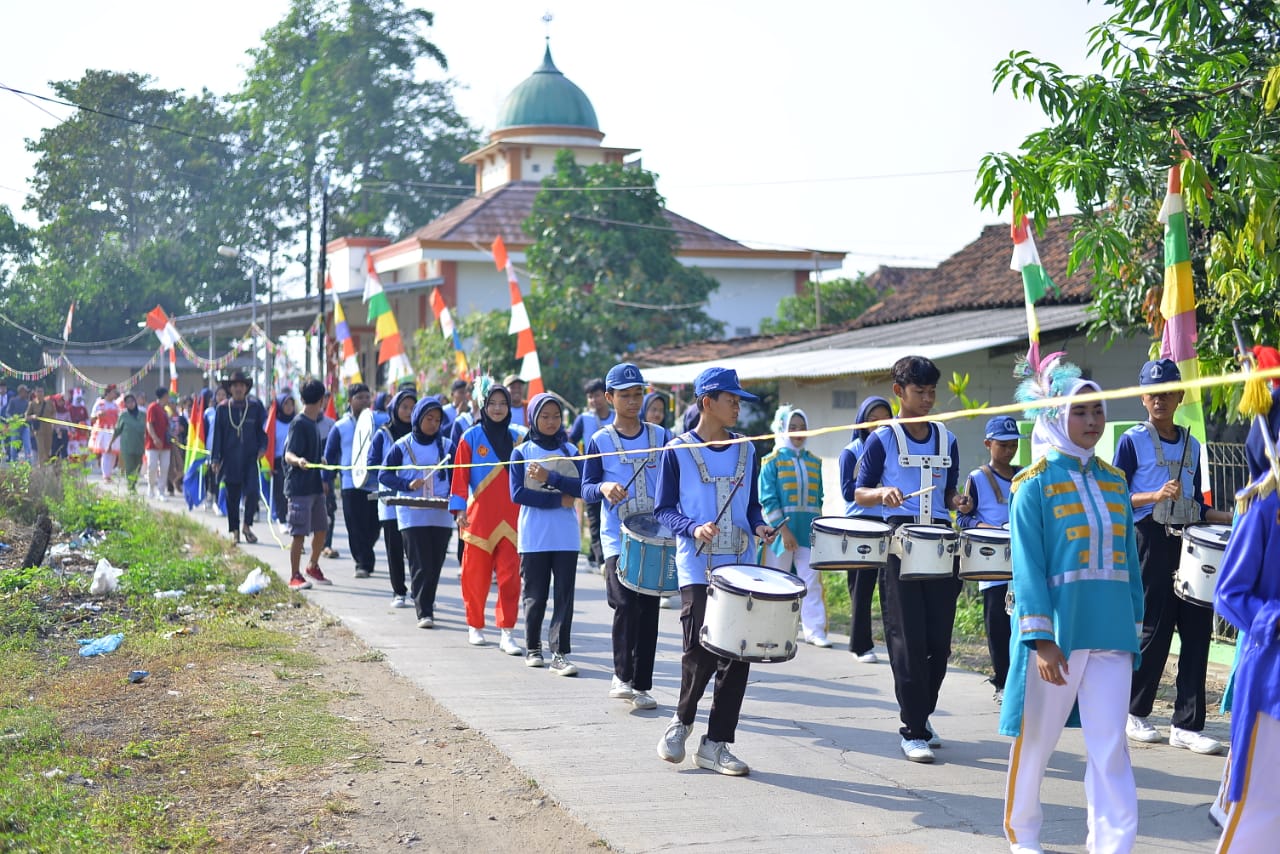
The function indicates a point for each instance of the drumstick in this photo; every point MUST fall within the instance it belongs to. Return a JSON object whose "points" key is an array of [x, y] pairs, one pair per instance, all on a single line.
{"points": [[627, 485], [917, 492], [723, 507]]}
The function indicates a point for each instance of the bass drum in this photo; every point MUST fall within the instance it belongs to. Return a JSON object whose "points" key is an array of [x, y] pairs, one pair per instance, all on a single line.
{"points": [[753, 613], [1197, 575], [360, 442]]}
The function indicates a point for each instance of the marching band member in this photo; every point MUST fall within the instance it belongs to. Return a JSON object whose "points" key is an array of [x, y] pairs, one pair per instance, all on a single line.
{"points": [[614, 455], [791, 490], [1077, 616], [694, 483], [359, 514], [399, 425], [900, 459], [861, 582], [596, 415]]}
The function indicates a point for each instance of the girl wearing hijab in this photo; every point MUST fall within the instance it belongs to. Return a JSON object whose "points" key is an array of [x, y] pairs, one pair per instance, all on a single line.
{"points": [[399, 424], [104, 416], [130, 432], [791, 490], [426, 531], [548, 539], [861, 582], [487, 518], [653, 410], [1077, 615], [285, 410]]}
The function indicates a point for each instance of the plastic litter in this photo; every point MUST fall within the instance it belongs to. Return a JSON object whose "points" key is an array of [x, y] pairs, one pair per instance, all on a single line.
{"points": [[170, 594], [255, 582], [101, 646], [215, 588], [106, 578], [136, 676]]}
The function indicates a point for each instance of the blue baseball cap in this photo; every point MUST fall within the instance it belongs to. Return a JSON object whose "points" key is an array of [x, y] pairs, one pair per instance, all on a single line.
{"points": [[625, 375], [1003, 428], [1159, 371], [720, 379]]}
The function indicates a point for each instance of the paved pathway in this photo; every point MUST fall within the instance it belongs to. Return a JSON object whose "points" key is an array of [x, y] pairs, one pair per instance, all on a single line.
{"points": [[820, 734]]}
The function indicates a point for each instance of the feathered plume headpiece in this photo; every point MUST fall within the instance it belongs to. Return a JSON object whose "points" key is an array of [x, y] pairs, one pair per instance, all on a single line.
{"points": [[782, 419], [1042, 379], [480, 389]]}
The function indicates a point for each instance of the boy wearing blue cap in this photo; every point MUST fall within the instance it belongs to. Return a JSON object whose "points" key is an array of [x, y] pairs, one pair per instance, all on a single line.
{"points": [[616, 454], [1161, 462], [912, 471], [987, 494], [703, 471]]}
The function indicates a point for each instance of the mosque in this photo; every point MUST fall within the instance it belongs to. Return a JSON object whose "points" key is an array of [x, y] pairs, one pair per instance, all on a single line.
{"points": [[543, 115]]}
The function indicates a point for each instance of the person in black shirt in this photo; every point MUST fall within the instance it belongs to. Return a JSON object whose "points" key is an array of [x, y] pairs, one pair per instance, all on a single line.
{"points": [[239, 438], [305, 488]]}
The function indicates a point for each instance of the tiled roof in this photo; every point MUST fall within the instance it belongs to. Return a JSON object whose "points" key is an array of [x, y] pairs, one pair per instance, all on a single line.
{"points": [[504, 209], [978, 276], [699, 351]]}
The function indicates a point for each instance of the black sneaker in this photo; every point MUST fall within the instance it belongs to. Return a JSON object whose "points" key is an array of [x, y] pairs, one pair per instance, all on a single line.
{"points": [[533, 658]]}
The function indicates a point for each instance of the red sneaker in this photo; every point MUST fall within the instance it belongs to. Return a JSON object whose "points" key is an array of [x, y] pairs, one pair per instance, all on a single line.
{"points": [[314, 573], [297, 582]]}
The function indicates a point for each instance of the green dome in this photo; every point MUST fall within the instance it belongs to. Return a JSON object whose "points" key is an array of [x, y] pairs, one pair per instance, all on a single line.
{"points": [[547, 98]]}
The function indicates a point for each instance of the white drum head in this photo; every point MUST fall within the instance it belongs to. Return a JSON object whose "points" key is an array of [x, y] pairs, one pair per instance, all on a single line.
{"points": [[1213, 536], [758, 581], [851, 525], [643, 526], [990, 536], [360, 448], [928, 532]]}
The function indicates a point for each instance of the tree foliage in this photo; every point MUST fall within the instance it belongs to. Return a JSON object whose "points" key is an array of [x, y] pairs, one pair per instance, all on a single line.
{"points": [[1173, 71], [842, 300]]}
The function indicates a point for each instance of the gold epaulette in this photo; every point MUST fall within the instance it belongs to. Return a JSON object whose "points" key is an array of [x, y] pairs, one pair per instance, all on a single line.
{"points": [[1256, 491], [1109, 468], [1030, 471], [769, 456]]}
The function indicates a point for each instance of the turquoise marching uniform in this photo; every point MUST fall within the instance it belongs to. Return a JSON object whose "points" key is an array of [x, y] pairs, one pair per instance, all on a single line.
{"points": [[791, 488], [1064, 573]]}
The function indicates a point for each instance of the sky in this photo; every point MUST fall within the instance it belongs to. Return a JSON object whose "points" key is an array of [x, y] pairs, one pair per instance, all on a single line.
{"points": [[839, 125]]}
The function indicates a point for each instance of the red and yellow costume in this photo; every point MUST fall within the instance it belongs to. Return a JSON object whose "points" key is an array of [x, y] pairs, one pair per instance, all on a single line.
{"points": [[484, 494]]}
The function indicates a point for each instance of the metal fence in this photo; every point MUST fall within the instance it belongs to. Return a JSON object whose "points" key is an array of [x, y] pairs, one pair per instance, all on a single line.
{"points": [[1228, 474]]}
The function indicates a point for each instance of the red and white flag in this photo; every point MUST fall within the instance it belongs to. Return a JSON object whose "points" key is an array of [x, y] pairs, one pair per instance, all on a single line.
{"points": [[66, 327], [530, 368], [159, 322]]}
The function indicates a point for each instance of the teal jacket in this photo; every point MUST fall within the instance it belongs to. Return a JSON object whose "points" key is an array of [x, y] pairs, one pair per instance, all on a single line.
{"points": [[131, 428], [1076, 581], [784, 493]]}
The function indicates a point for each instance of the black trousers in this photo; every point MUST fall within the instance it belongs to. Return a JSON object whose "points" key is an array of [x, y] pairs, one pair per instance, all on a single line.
{"points": [[635, 629], [699, 664], [999, 628], [862, 586], [279, 503], [593, 530], [235, 493], [425, 548], [918, 620], [361, 518], [395, 556], [540, 570], [1158, 555], [330, 510]]}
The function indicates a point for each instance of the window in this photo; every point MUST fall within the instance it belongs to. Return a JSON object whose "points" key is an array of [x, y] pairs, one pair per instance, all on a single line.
{"points": [[537, 167], [740, 331], [844, 399]]}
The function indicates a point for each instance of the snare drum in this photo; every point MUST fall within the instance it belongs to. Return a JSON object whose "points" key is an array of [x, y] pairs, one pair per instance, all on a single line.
{"points": [[985, 555], [753, 613], [927, 552], [647, 562], [840, 543], [1197, 573]]}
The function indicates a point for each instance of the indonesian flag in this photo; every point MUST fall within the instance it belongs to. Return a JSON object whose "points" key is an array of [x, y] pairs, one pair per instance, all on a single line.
{"points": [[1035, 281], [441, 312], [160, 323], [66, 327], [530, 368]]}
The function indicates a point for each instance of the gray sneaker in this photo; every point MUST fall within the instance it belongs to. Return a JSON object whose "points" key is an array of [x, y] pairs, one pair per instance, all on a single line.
{"points": [[671, 745], [533, 658], [715, 756], [562, 666], [643, 700]]}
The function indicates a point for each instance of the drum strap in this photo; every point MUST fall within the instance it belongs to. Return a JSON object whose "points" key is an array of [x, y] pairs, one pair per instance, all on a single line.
{"points": [[1180, 511], [731, 540], [994, 483], [925, 462], [428, 488], [639, 501]]}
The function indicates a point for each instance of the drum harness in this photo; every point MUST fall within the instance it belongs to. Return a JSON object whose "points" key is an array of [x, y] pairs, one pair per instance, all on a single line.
{"points": [[926, 463], [426, 470], [639, 501], [1173, 513], [725, 543]]}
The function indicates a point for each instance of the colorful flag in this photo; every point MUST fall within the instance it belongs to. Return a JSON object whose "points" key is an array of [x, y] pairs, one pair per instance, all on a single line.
{"points": [[66, 327], [447, 327], [530, 368], [350, 363], [1178, 308], [194, 462], [1035, 280], [386, 331]]}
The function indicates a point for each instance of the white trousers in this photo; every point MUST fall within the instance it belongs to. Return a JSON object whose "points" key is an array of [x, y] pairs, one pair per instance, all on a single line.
{"points": [[157, 464], [813, 613], [1100, 681], [1253, 822], [108, 463]]}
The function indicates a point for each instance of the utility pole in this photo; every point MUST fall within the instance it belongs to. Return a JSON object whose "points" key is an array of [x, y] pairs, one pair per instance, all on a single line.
{"points": [[324, 269], [817, 291]]}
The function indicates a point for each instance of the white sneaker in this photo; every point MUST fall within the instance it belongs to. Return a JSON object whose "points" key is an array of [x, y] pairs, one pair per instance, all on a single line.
{"points": [[399, 602], [917, 750], [671, 745], [620, 690], [1196, 742], [715, 756], [475, 637], [869, 657], [819, 641], [643, 700], [1138, 729], [507, 643], [426, 623], [669, 603]]}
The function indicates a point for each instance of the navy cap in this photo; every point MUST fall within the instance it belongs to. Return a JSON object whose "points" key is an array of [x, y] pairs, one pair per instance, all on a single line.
{"points": [[625, 375], [1002, 428], [720, 379], [1159, 371]]}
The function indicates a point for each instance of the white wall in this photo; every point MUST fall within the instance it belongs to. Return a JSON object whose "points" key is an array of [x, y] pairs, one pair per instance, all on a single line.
{"points": [[745, 297]]}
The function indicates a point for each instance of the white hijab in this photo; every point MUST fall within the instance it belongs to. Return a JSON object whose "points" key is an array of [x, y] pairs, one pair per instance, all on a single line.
{"points": [[796, 442], [1051, 428]]}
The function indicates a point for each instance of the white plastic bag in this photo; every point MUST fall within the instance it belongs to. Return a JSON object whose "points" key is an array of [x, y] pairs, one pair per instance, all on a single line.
{"points": [[255, 582], [105, 579]]}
